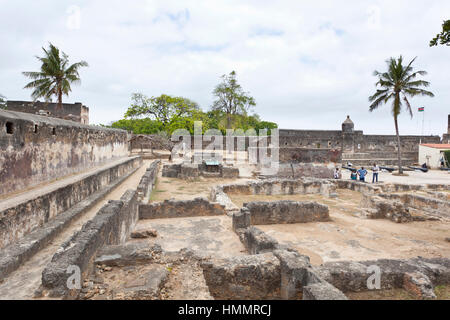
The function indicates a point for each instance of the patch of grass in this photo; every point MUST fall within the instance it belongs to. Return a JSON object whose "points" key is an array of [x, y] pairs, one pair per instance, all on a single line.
{"points": [[442, 292]]}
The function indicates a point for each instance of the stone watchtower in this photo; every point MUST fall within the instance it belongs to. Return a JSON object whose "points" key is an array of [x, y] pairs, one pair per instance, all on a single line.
{"points": [[348, 128]]}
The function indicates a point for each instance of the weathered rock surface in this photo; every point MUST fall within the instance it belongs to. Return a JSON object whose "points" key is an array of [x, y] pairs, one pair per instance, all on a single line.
{"points": [[245, 277]]}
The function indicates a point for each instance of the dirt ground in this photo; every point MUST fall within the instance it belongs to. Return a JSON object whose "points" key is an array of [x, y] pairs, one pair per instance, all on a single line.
{"points": [[180, 189], [348, 237], [442, 293], [208, 236]]}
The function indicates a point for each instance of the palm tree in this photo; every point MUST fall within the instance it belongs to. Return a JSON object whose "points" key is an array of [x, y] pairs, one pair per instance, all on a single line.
{"points": [[397, 84], [55, 77]]}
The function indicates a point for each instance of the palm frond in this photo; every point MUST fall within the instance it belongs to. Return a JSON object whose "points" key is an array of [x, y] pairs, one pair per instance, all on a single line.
{"points": [[55, 75]]}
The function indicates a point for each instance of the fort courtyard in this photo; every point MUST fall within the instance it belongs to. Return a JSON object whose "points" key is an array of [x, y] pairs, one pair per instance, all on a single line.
{"points": [[224, 159], [140, 222]]}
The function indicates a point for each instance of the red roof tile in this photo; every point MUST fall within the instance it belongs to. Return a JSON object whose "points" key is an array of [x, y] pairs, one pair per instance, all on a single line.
{"points": [[437, 145]]}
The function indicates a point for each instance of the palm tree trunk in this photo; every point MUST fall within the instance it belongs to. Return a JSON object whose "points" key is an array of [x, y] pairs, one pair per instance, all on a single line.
{"points": [[59, 106], [399, 152]]}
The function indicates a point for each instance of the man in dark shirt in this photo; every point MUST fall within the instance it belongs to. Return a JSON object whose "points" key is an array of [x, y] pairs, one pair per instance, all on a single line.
{"points": [[362, 174]]}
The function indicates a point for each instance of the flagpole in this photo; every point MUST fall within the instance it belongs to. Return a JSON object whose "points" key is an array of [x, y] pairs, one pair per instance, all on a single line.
{"points": [[423, 120]]}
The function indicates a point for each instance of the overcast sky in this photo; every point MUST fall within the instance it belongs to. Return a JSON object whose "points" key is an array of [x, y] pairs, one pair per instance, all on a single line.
{"points": [[308, 64]]}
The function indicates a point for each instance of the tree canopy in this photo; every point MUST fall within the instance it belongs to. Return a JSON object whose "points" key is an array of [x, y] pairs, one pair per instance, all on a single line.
{"points": [[442, 38], [55, 77], [165, 114], [231, 98]]}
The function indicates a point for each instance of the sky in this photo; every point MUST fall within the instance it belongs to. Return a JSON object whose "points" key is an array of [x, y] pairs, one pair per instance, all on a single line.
{"points": [[308, 64]]}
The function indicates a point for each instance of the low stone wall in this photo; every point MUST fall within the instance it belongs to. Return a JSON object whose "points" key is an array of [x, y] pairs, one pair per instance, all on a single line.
{"points": [[255, 277], [17, 253], [279, 274], [418, 275], [298, 280], [147, 182], [257, 241], [112, 225], [305, 170], [286, 211], [375, 207], [21, 219], [189, 170], [438, 208], [271, 187], [357, 186], [180, 209], [302, 155], [283, 186]]}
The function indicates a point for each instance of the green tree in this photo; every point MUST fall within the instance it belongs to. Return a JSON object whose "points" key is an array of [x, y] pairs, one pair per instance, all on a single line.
{"points": [[231, 98], [2, 101], [55, 77], [138, 126], [164, 109], [443, 37], [396, 84]]}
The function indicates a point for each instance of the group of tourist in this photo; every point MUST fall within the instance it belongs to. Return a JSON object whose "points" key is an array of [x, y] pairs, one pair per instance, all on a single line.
{"points": [[361, 173]]}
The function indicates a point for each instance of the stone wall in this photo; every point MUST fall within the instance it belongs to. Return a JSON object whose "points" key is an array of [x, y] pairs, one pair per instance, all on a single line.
{"points": [[147, 182], [254, 277], [36, 149], [302, 154], [180, 209], [188, 170], [111, 226], [20, 219], [419, 275], [305, 170], [70, 111], [283, 186], [354, 145], [286, 212], [352, 141], [271, 271], [437, 208]]}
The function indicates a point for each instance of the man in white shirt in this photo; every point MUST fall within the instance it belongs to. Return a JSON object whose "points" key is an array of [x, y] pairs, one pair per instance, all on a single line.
{"points": [[376, 170]]}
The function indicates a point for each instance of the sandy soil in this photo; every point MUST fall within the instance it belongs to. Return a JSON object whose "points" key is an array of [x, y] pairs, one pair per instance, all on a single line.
{"points": [[208, 236], [180, 189], [348, 237], [442, 293], [22, 283]]}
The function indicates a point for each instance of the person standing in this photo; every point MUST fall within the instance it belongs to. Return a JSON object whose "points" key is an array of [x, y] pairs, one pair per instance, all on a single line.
{"points": [[362, 174], [376, 170], [337, 174]]}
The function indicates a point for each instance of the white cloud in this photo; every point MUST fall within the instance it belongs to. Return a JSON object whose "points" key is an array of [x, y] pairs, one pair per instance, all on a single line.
{"points": [[308, 64]]}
